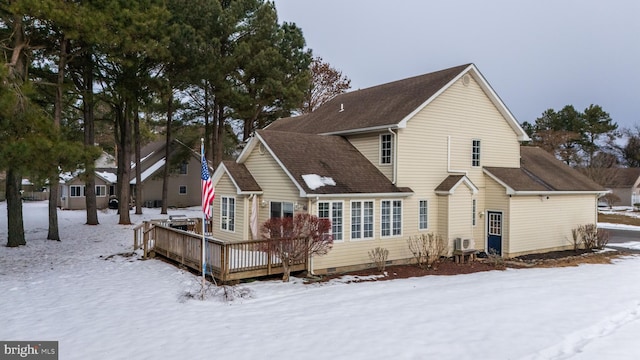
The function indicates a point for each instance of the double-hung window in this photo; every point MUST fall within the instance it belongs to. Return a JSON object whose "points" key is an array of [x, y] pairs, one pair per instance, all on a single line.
{"points": [[390, 217], [362, 219], [228, 213], [76, 190], [332, 210], [182, 190], [475, 153], [423, 215], [101, 191], [386, 146]]}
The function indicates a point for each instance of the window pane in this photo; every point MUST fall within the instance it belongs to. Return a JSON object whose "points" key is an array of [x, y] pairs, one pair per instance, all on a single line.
{"points": [[397, 217], [356, 220], [232, 214], [336, 221], [287, 209], [385, 218], [423, 215], [276, 209], [368, 219]]}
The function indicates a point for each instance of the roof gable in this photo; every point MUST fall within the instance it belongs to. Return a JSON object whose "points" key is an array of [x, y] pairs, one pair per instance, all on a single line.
{"points": [[389, 105], [240, 176], [449, 185]]}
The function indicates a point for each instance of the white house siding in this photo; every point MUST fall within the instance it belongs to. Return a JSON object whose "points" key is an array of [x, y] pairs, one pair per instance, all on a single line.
{"points": [[369, 146], [225, 188], [540, 224], [463, 113]]}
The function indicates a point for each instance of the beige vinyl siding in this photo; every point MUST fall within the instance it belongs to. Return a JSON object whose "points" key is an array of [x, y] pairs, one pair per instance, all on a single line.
{"points": [[225, 188], [369, 146], [460, 225], [354, 252], [464, 113], [539, 225], [443, 216], [152, 187], [495, 199], [275, 183]]}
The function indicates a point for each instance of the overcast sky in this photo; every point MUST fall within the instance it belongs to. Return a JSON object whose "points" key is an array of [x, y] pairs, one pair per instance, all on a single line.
{"points": [[535, 54]]}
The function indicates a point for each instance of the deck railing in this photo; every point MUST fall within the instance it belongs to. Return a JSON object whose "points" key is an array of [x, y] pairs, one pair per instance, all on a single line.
{"points": [[224, 260]]}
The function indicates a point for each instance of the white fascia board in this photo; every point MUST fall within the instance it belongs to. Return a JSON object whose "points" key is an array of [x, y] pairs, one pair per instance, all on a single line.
{"points": [[284, 168], [248, 149], [502, 108], [363, 130], [361, 195], [552, 192]]}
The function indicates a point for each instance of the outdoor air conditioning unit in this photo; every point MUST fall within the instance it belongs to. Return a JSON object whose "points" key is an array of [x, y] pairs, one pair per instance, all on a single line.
{"points": [[463, 244]]}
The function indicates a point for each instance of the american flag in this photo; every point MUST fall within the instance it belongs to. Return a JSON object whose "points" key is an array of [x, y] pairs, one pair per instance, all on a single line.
{"points": [[208, 191]]}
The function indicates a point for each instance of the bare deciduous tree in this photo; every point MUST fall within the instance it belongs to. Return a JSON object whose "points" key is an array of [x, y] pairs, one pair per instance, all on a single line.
{"points": [[295, 239], [326, 82]]}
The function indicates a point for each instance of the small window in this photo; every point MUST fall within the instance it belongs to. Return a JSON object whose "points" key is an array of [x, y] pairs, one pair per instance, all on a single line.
{"points": [[101, 190], [183, 168], [76, 190], [112, 190], [473, 212], [183, 190], [423, 215], [386, 145], [475, 153]]}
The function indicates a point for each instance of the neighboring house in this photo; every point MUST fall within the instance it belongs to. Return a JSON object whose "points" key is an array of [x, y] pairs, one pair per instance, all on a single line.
{"points": [[184, 179], [437, 153], [72, 186], [625, 184]]}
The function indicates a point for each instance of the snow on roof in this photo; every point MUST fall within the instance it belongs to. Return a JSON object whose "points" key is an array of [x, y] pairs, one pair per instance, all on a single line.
{"points": [[26, 182], [108, 176], [152, 169], [314, 181]]}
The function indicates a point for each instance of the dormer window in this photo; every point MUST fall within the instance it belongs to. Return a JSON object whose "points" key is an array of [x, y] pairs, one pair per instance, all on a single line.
{"points": [[386, 144]]}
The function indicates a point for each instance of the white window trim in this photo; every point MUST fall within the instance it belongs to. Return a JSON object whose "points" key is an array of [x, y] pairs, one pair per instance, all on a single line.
{"points": [[104, 191], [186, 190], [82, 191], [186, 168], [373, 219], [427, 214], [390, 149], [391, 213], [331, 202], [479, 152], [225, 222]]}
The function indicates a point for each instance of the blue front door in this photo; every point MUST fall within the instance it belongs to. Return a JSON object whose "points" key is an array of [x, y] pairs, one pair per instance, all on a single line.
{"points": [[494, 232]]}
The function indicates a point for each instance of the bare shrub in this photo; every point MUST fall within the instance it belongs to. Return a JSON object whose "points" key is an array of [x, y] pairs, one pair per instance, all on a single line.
{"points": [[379, 257], [591, 237], [427, 249], [210, 290], [495, 259], [603, 238], [296, 239], [575, 236]]}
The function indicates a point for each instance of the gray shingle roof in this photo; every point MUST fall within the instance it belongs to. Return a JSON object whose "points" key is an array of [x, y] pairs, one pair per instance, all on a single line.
{"points": [[379, 106], [623, 177], [541, 171], [331, 157], [241, 176]]}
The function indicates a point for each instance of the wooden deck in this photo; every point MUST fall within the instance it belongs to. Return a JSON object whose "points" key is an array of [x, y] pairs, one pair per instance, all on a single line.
{"points": [[226, 261]]}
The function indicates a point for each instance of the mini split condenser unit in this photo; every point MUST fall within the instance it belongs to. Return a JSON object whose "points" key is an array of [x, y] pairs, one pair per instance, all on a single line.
{"points": [[463, 244]]}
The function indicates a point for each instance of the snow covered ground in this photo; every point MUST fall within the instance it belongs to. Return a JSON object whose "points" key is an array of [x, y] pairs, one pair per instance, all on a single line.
{"points": [[100, 305]]}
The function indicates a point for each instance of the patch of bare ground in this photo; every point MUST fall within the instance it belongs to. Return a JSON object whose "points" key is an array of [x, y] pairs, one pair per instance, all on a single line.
{"points": [[448, 267], [619, 218]]}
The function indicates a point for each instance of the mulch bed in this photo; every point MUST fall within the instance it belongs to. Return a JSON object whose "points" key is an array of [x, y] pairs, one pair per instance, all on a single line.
{"points": [[448, 267]]}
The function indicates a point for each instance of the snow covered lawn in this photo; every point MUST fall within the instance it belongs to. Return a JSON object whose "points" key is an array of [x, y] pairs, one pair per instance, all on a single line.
{"points": [[100, 306]]}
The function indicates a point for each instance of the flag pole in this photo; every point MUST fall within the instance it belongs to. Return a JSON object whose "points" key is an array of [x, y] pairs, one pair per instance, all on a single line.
{"points": [[204, 216]]}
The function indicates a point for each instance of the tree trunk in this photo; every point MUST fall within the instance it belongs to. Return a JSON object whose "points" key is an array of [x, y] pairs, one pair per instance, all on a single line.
{"points": [[219, 145], [167, 152], [136, 134], [89, 137], [14, 209], [124, 163], [54, 233]]}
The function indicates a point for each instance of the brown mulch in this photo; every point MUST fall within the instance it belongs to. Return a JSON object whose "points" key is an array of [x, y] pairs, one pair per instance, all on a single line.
{"points": [[448, 267]]}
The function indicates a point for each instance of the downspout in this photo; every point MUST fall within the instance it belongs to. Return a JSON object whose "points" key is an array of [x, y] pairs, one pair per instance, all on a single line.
{"points": [[449, 158], [394, 166]]}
